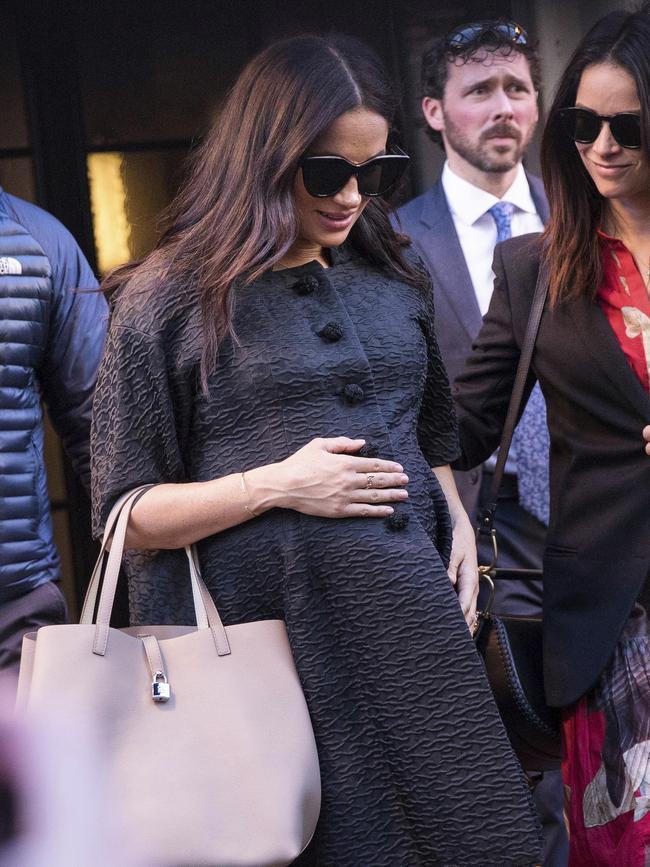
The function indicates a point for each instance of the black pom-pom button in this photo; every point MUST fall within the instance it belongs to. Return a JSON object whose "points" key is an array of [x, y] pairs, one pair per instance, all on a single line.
{"points": [[353, 393], [397, 521], [332, 332], [306, 285], [370, 450]]}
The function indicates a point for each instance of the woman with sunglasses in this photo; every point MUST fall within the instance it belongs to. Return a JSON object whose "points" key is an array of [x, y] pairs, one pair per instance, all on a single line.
{"points": [[272, 368], [592, 359]]}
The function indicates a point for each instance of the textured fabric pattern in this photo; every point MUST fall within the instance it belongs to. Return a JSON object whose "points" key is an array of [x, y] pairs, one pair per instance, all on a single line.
{"points": [[50, 344], [416, 767], [531, 441]]}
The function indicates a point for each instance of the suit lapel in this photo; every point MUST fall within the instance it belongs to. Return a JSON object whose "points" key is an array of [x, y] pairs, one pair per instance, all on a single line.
{"points": [[539, 197], [596, 333], [441, 248], [604, 348]]}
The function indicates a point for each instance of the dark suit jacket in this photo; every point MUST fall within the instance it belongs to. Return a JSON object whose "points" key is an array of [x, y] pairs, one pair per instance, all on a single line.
{"points": [[598, 547], [428, 221]]}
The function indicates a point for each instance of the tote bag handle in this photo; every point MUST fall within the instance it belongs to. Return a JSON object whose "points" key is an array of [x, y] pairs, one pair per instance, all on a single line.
{"points": [[207, 616]]}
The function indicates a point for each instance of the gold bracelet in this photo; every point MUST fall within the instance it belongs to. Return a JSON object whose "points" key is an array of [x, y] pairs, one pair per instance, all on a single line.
{"points": [[246, 494]]}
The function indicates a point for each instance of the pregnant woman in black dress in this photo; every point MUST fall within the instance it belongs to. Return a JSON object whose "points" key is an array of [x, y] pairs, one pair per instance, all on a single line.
{"points": [[272, 368]]}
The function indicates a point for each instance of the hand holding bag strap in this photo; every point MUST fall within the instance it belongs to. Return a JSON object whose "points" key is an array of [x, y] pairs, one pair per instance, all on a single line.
{"points": [[206, 613], [537, 308]]}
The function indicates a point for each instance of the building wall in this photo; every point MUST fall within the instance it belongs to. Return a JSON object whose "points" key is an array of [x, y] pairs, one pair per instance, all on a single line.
{"points": [[560, 25]]}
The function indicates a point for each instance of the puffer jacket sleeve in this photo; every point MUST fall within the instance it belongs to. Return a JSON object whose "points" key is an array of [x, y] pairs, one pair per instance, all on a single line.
{"points": [[134, 440], [75, 341]]}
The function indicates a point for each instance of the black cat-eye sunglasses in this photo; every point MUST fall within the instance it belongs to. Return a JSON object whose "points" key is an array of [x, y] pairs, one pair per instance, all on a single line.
{"points": [[325, 176]]}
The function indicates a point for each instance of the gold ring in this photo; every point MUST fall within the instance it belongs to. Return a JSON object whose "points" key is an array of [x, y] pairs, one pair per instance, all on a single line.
{"points": [[370, 480]]}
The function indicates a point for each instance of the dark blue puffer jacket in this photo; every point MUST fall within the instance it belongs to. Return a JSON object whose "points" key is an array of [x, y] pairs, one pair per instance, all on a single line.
{"points": [[51, 340]]}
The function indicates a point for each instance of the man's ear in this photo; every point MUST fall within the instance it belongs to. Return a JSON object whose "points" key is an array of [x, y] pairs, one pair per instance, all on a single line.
{"points": [[433, 113]]}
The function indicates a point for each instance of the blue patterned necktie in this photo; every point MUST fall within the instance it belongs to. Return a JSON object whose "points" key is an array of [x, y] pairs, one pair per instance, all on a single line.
{"points": [[502, 213], [530, 441]]}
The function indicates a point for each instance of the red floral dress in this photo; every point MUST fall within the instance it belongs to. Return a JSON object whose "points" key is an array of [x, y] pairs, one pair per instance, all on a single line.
{"points": [[606, 766]]}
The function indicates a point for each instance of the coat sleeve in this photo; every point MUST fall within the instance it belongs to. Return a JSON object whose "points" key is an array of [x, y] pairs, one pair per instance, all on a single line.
{"points": [[74, 348], [484, 387], [134, 437], [437, 428]]}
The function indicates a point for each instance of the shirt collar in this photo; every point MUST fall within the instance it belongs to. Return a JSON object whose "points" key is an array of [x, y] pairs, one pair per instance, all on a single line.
{"points": [[468, 203], [610, 239]]}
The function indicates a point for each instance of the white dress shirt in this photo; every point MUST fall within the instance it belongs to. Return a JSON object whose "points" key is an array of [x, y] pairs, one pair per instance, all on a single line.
{"points": [[476, 229]]}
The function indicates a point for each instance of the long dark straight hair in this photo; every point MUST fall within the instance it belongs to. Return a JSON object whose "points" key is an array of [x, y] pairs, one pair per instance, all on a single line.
{"points": [[576, 206], [235, 217]]}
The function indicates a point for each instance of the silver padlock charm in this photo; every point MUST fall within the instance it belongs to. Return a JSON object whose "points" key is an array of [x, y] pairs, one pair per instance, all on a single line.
{"points": [[159, 687]]}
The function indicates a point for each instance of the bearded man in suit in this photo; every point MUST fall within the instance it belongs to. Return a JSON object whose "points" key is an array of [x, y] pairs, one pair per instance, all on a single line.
{"points": [[480, 87]]}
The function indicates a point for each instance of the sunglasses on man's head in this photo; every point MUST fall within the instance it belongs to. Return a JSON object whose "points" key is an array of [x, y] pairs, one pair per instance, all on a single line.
{"points": [[327, 175], [584, 126], [485, 33]]}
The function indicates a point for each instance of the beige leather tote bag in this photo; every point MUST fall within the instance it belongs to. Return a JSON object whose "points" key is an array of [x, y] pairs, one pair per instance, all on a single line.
{"points": [[206, 729]]}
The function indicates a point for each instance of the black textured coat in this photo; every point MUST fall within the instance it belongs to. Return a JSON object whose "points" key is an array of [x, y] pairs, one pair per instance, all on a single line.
{"points": [[598, 546], [416, 768]]}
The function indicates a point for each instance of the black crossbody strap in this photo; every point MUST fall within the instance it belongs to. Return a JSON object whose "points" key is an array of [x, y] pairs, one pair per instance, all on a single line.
{"points": [[537, 308]]}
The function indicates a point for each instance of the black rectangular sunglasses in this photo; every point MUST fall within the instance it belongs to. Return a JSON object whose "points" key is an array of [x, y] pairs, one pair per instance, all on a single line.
{"points": [[325, 176], [584, 125]]}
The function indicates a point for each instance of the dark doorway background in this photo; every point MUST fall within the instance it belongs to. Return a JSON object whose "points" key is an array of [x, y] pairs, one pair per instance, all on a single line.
{"points": [[102, 101]]}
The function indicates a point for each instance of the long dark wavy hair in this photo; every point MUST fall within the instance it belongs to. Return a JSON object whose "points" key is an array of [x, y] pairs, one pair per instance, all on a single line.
{"points": [[576, 207], [235, 217]]}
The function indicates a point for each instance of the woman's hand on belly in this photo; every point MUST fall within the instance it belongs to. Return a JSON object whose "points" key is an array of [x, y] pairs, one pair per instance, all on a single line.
{"points": [[646, 437], [325, 478]]}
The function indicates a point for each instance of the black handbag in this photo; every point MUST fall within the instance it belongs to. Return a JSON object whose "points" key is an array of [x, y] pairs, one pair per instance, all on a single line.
{"points": [[510, 646]]}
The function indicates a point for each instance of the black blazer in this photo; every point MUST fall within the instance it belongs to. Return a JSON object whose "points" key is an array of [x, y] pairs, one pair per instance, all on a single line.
{"points": [[598, 549]]}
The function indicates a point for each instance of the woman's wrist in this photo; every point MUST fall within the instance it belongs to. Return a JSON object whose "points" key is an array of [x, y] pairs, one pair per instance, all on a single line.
{"points": [[248, 505], [459, 516], [457, 511], [263, 489]]}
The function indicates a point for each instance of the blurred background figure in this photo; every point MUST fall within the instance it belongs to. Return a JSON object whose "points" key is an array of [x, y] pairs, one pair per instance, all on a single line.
{"points": [[480, 87], [50, 345], [57, 807]]}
